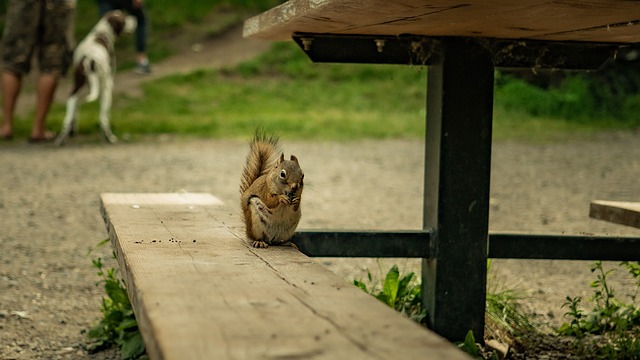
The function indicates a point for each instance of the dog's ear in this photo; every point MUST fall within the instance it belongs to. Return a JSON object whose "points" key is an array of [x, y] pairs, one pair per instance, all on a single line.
{"points": [[116, 21]]}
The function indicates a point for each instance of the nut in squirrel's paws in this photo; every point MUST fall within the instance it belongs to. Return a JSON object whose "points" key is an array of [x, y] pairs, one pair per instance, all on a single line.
{"points": [[284, 200]]}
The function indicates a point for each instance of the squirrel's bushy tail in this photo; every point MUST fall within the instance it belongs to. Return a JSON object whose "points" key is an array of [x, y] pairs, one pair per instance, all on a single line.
{"points": [[262, 152]]}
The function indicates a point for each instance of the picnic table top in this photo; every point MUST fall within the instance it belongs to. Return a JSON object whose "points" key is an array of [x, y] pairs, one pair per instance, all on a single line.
{"points": [[609, 21], [199, 291], [619, 212]]}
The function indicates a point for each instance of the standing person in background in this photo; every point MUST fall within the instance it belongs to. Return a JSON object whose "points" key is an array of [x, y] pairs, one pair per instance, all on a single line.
{"points": [[43, 27], [136, 9]]}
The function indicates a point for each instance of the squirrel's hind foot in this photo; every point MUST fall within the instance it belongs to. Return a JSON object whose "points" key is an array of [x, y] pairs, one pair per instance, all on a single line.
{"points": [[259, 244]]}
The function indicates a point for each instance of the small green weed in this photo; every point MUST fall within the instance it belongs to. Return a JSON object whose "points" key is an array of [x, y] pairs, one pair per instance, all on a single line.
{"points": [[118, 325], [471, 347], [504, 319], [401, 293], [612, 329]]}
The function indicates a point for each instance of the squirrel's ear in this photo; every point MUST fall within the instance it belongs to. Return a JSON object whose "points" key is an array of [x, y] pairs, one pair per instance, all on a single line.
{"points": [[280, 160], [294, 159]]}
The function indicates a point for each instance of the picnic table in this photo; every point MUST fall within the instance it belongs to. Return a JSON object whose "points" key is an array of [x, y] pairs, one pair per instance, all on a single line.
{"points": [[462, 43]]}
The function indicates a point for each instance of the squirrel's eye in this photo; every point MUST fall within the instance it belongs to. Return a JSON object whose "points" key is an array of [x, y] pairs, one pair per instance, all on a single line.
{"points": [[283, 174]]}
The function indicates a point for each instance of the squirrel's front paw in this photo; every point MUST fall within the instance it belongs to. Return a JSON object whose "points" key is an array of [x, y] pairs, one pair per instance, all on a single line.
{"points": [[255, 201], [259, 244]]}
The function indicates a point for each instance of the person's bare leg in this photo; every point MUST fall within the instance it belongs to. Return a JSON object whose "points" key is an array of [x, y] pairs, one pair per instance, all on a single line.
{"points": [[11, 85], [46, 88]]}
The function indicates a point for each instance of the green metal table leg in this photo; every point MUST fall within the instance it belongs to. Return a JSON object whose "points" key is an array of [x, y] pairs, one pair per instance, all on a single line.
{"points": [[457, 173]]}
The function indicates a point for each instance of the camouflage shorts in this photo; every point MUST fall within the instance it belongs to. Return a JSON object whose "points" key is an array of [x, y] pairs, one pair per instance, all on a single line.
{"points": [[43, 27]]}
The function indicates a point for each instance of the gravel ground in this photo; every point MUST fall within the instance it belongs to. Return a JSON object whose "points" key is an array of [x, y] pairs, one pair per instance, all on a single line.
{"points": [[49, 212]]}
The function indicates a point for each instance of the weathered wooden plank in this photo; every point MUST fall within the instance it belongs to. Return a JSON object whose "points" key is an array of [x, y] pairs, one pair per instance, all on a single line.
{"points": [[575, 20], [200, 292], [619, 212]]}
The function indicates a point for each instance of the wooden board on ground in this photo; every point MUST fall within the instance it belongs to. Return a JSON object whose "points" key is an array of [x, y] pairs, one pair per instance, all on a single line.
{"points": [[571, 20], [619, 212], [200, 292]]}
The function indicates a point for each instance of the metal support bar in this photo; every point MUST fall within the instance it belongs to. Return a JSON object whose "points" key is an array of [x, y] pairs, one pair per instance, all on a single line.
{"points": [[421, 50], [456, 195], [565, 247], [364, 243], [416, 244]]}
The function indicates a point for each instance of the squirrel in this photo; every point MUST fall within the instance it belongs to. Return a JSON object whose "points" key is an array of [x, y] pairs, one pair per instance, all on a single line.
{"points": [[271, 190]]}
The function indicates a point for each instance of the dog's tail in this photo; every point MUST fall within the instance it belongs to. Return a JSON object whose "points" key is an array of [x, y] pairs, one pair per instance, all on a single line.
{"points": [[92, 78]]}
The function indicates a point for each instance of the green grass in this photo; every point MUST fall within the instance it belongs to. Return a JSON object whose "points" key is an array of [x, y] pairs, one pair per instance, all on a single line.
{"points": [[215, 105], [284, 92], [324, 102]]}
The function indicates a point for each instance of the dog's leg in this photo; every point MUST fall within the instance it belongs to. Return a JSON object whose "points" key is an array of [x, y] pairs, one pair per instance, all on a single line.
{"points": [[75, 128], [70, 122], [105, 109], [70, 119]]}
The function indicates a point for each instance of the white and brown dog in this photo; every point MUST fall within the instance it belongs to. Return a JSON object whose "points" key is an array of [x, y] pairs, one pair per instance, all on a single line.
{"points": [[94, 63]]}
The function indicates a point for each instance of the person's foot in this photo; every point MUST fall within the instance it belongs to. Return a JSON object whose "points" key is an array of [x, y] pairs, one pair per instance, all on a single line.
{"points": [[6, 133], [142, 69], [48, 136]]}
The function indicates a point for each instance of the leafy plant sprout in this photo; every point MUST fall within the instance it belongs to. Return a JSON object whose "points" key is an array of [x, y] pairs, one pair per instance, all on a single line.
{"points": [[504, 319], [118, 325], [611, 330]]}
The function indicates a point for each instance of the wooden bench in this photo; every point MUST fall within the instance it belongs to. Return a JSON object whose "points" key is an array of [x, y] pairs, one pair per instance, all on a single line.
{"points": [[462, 43], [619, 212], [200, 292]]}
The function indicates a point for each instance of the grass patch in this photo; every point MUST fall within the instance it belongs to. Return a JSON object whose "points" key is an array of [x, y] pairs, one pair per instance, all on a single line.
{"points": [[286, 93], [282, 90], [220, 105], [521, 126], [325, 102]]}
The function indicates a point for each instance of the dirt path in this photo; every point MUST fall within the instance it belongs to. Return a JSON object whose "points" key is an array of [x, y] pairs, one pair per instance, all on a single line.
{"points": [[49, 210]]}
